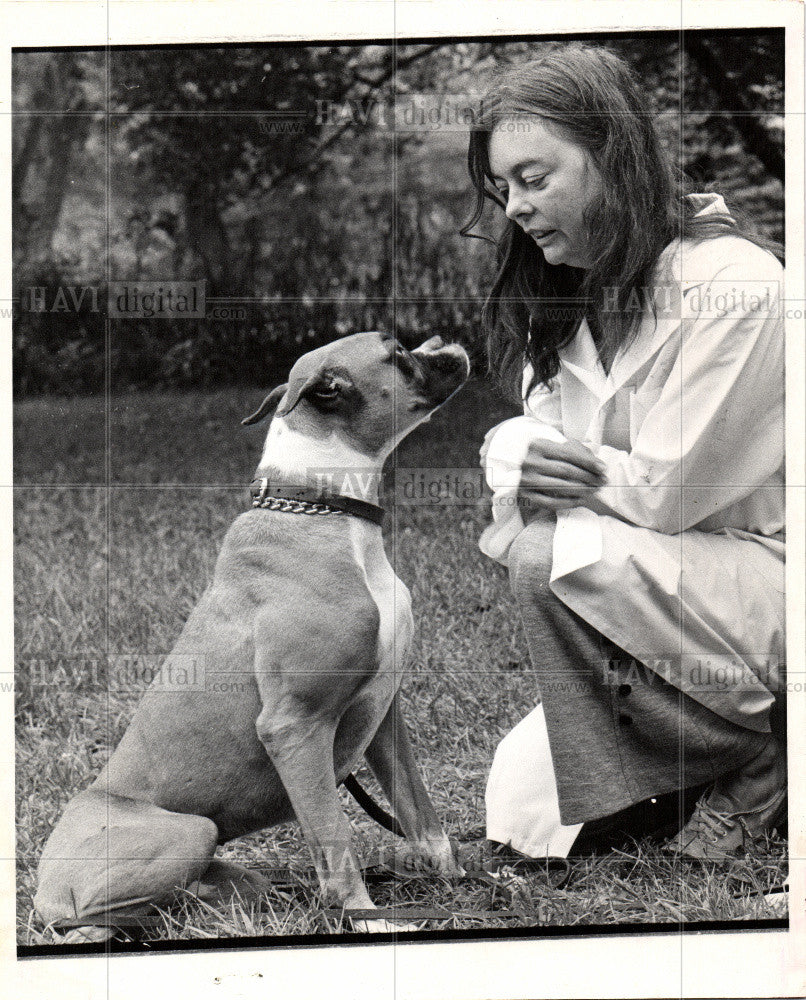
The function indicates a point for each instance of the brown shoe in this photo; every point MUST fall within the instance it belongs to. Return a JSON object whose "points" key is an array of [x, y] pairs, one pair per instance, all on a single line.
{"points": [[737, 812], [716, 836]]}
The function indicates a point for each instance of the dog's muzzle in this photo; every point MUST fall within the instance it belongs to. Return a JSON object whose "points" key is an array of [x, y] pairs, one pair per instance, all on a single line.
{"points": [[442, 369]]}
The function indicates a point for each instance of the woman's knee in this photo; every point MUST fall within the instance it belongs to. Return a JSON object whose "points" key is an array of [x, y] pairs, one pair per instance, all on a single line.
{"points": [[530, 558]]}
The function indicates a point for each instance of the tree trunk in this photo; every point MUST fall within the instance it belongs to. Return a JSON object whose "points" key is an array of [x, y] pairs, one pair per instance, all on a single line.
{"points": [[55, 137], [227, 260], [206, 239]]}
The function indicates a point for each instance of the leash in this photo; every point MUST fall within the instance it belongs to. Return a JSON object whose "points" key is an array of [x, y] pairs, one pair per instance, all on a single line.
{"points": [[371, 807], [301, 500]]}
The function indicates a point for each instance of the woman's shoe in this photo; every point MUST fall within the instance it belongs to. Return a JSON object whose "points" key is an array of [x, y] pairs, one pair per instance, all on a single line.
{"points": [[716, 836], [657, 818], [736, 813]]}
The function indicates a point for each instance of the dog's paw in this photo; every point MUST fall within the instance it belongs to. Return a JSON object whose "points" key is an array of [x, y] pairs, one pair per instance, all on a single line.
{"points": [[82, 935], [417, 861], [382, 926], [369, 919]]}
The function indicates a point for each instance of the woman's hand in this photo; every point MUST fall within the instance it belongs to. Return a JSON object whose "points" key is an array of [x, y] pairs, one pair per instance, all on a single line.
{"points": [[555, 476]]}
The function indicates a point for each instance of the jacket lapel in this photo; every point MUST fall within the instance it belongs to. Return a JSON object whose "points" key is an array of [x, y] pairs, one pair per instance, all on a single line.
{"points": [[579, 360]]}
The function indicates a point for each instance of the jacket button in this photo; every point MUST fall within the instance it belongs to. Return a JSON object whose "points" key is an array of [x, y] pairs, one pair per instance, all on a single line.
{"points": [[624, 690], [624, 720]]}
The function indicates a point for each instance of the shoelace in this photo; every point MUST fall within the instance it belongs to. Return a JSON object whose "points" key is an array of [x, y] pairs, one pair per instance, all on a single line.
{"points": [[711, 823]]}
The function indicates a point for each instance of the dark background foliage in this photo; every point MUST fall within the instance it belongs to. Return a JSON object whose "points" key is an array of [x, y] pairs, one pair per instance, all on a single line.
{"points": [[217, 163]]}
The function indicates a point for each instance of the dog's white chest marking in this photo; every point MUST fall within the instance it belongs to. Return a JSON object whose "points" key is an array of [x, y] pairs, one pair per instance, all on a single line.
{"points": [[390, 594]]}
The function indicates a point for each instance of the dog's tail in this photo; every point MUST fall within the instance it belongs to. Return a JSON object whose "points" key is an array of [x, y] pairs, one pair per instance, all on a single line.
{"points": [[371, 807]]}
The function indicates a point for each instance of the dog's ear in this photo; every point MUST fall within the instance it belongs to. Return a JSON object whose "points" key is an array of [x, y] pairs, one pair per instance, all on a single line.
{"points": [[296, 390], [299, 388], [268, 404]]}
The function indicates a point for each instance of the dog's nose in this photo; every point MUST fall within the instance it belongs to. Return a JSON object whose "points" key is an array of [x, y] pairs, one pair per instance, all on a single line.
{"points": [[433, 344]]}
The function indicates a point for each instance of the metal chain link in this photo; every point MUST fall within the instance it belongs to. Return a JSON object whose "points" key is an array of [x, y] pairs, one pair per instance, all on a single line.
{"points": [[295, 506]]}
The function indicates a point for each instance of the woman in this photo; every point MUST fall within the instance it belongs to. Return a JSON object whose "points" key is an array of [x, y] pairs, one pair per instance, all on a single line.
{"points": [[643, 327]]}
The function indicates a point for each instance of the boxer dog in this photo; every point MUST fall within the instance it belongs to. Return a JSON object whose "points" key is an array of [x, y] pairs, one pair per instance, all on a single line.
{"points": [[305, 613]]}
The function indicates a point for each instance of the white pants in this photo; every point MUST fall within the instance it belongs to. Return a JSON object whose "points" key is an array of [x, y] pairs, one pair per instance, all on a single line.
{"points": [[521, 798]]}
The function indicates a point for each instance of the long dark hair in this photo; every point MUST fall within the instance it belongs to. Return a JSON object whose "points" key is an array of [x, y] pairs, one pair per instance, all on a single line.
{"points": [[589, 95]]}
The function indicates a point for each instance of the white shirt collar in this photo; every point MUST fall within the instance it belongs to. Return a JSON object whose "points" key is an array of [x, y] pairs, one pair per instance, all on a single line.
{"points": [[580, 357]]}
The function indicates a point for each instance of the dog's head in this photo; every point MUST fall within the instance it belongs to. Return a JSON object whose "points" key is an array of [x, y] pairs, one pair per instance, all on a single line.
{"points": [[368, 389]]}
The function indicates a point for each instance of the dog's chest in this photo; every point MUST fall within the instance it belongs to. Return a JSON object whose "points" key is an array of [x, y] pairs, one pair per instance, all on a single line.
{"points": [[390, 594]]}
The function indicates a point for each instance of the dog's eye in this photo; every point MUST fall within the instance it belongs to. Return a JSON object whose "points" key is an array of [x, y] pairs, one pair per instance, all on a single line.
{"points": [[326, 391]]}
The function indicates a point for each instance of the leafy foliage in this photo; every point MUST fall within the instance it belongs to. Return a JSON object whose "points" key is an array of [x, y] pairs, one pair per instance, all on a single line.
{"points": [[273, 174]]}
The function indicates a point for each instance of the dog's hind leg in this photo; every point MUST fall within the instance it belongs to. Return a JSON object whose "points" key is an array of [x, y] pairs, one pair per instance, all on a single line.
{"points": [[111, 856], [390, 757]]}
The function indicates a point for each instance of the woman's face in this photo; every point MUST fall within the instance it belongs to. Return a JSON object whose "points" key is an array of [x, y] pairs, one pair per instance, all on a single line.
{"points": [[548, 183]]}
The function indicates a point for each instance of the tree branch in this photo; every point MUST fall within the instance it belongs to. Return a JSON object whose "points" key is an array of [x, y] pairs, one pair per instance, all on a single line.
{"points": [[745, 121], [373, 87]]}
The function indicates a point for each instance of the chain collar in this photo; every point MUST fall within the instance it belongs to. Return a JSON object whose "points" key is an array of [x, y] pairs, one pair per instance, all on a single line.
{"points": [[300, 500], [294, 506]]}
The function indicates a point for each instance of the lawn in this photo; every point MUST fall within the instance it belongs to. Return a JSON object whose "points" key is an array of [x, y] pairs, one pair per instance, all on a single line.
{"points": [[115, 571]]}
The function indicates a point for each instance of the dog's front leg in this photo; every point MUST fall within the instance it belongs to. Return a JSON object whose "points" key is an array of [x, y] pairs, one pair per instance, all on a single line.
{"points": [[390, 757], [301, 749]]}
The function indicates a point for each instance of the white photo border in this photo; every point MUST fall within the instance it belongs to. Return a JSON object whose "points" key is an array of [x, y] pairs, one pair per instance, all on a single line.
{"points": [[719, 964]]}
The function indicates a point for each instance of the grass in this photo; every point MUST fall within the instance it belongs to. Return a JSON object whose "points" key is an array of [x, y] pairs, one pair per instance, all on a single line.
{"points": [[118, 570]]}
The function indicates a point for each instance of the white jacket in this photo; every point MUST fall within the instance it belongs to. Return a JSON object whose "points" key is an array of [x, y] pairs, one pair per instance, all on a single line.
{"points": [[679, 558]]}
